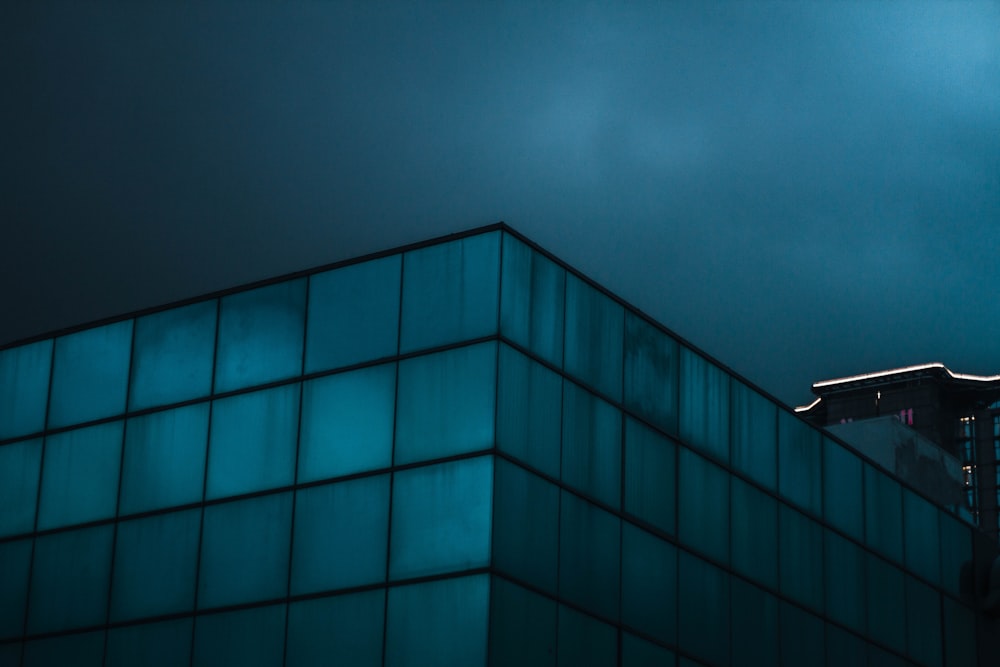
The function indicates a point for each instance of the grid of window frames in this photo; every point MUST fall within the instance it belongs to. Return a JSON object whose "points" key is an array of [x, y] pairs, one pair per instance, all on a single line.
{"points": [[459, 453]]}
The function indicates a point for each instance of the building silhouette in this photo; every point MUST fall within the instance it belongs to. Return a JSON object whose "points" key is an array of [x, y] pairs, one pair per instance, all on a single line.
{"points": [[460, 452]]}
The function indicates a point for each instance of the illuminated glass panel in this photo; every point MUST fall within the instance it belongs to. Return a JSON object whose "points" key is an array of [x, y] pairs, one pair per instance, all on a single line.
{"points": [[20, 465], [922, 536], [754, 435], [245, 638], [883, 513], [650, 476], [353, 314], [260, 335], [800, 461], [166, 644], [24, 388], [340, 630], [532, 300], [704, 417], [591, 445], [522, 627], [173, 356], [15, 564], [843, 492], [651, 367], [589, 556], [347, 422], [755, 626], [80, 650], [800, 552], [585, 641], [703, 505], [529, 406], [703, 609], [754, 526], [90, 374], [450, 292], [594, 328], [525, 526], [649, 584]]}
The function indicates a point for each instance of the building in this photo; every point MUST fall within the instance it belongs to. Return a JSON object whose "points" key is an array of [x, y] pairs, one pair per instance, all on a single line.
{"points": [[456, 453]]}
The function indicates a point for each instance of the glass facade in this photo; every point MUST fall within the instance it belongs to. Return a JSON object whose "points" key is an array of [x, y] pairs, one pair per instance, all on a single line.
{"points": [[461, 453]]}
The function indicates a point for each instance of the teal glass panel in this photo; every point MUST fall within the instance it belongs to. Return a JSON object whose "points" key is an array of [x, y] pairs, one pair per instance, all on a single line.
{"points": [[353, 314], [347, 422], [591, 445], [340, 630], [522, 627], [245, 638], [754, 526], [585, 641], [166, 644], [446, 403], [528, 410], [959, 633], [843, 491], [755, 626], [252, 446], [533, 293], [883, 514], [886, 606], [703, 603], [754, 434], [704, 417], [24, 388], [923, 623], [800, 553], [10, 654], [594, 328], [80, 650], [259, 526], [956, 554], [260, 335], [20, 466], [525, 526], [164, 459], [155, 565], [922, 537], [703, 505], [441, 518], [845, 581], [454, 634], [651, 367], [802, 637], [15, 564], [69, 580], [90, 374], [649, 584], [451, 292], [173, 355], [589, 556], [843, 648], [80, 475], [879, 658], [800, 463], [641, 653], [650, 476], [341, 533]]}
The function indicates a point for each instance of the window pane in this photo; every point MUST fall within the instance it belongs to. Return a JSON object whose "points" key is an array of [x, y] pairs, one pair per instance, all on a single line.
{"points": [[801, 637], [69, 580], [530, 403], [164, 459], [20, 465], [959, 634], [155, 561], [261, 526], [82, 650], [347, 422], [253, 441], [883, 514], [585, 641], [649, 584], [522, 627], [260, 335], [922, 537], [353, 314], [441, 518], [341, 630], [173, 355], [438, 623], [341, 533], [703, 601], [246, 638], [754, 533], [650, 476], [842, 489], [845, 581], [594, 327], [704, 418], [525, 526], [843, 648], [754, 435], [801, 557], [923, 627], [886, 609], [80, 475], [532, 299], [956, 554], [450, 292], [651, 363], [446, 403], [589, 556], [755, 626], [166, 644], [591, 449], [24, 388], [90, 376], [15, 564], [640, 653], [703, 505], [800, 459]]}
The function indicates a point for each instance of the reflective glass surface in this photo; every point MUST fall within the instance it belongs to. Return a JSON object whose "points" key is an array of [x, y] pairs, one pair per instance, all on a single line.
{"points": [[594, 328], [754, 435], [164, 644], [883, 513], [842, 489], [20, 466], [589, 555], [90, 374], [651, 367], [584, 641], [80, 650], [245, 638], [754, 525], [522, 627], [525, 526], [24, 388], [531, 301], [800, 551], [528, 411], [703, 604], [922, 537], [704, 416], [591, 445], [650, 476], [703, 505], [15, 563], [755, 626], [339, 630], [649, 584], [800, 461]]}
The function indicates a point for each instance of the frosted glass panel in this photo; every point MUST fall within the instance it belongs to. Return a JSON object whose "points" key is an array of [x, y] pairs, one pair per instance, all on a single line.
{"points": [[649, 583], [525, 526], [528, 411], [650, 476], [90, 375], [800, 553], [842, 489], [166, 644], [651, 366], [800, 462], [589, 555], [341, 630], [260, 335], [703, 599], [20, 464], [245, 638], [754, 435], [591, 445], [81, 650], [584, 641], [173, 355], [883, 513], [922, 537], [703, 505], [594, 329], [15, 564], [531, 303], [704, 418], [24, 388], [754, 526], [522, 627]]}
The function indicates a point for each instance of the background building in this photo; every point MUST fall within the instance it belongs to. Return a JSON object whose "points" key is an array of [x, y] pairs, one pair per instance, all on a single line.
{"points": [[457, 453]]}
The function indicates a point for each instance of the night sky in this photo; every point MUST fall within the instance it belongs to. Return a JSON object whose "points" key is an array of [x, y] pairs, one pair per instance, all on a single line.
{"points": [[803, 190]]}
